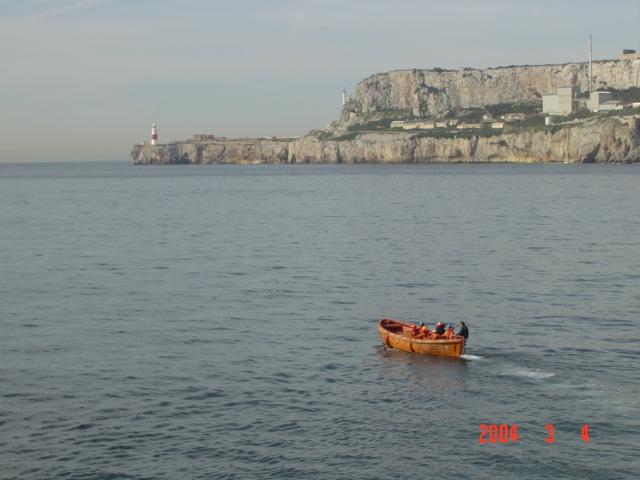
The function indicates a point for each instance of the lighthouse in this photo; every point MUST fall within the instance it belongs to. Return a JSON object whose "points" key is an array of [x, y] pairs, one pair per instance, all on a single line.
{"points": [[154, 135], [344, 97]]}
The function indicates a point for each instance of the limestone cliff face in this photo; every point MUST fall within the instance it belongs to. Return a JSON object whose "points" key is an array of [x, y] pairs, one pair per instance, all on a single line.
{"points": [[599, 140], [431, 93], [216, 151]]}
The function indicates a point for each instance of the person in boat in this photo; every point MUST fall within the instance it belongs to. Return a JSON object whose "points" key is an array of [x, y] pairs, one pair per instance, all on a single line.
{"points": [[416, 330], [423, 330], [464, 331], [449, 334], [438, 332]]}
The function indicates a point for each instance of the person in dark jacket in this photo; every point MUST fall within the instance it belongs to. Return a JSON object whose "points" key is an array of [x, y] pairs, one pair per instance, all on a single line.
{"points": [[464, 331], [439, 328]]}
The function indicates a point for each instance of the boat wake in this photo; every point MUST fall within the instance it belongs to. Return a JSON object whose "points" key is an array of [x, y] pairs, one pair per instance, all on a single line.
{"points": [[471, 357], [534, 373]]}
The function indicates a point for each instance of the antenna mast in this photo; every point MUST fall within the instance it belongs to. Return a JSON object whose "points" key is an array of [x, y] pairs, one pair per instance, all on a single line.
{"points": [[590, 65]]}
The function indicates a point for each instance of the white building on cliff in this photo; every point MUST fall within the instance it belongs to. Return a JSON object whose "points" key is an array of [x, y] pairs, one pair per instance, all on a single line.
{"points": [[565, 102]]}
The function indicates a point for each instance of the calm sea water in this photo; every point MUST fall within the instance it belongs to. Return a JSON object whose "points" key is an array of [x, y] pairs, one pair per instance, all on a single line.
{"points": [[219, 322]]}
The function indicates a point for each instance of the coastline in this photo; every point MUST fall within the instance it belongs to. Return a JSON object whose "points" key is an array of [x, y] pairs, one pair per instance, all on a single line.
{"points": [[367, 130], [607, 140]]}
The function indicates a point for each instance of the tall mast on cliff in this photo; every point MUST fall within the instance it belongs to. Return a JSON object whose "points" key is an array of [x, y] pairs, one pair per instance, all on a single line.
{"points": [[344, 97], [590, 65], [154, 135]]}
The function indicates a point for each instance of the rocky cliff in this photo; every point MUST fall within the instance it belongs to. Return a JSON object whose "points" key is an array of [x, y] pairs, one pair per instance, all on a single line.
{"points": [[213, 151], [598, 140], [433, 93]]}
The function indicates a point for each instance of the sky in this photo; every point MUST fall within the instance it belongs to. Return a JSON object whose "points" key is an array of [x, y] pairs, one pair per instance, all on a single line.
{"points": [[82, 80]]}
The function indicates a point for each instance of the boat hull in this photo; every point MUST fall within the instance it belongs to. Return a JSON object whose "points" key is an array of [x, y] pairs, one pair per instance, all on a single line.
{"points": [[396, 334]]}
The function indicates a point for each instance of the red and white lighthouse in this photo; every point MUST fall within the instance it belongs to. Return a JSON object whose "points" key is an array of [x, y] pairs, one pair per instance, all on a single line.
{"points": [[154, 135]]}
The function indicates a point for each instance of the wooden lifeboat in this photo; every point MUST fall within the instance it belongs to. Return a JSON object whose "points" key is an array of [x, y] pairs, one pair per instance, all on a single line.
{"points": [[399, 335]]}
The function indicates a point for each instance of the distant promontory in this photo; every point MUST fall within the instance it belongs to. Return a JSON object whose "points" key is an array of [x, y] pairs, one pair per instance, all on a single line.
{"points": [[467, 115]]}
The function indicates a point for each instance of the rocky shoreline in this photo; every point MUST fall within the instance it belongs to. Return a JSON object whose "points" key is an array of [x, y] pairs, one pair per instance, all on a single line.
{"points": [[609, 140], [431, 94]]}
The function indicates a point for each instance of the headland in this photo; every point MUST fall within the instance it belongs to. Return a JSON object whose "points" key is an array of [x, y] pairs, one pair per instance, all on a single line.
{"points": [[525, 114]]}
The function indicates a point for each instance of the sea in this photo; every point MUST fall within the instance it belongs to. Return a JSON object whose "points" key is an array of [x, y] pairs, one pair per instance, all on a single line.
{"points": [[219, 322]]}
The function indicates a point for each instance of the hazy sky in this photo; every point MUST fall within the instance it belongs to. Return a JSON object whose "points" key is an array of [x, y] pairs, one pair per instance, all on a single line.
{"points": [[84, 79]]}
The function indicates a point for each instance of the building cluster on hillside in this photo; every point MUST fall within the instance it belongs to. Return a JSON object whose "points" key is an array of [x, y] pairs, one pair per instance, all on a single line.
{"points": [[488, 121], [423, 125], [567, 101]]}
